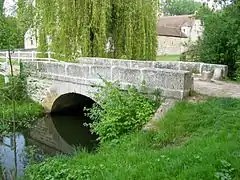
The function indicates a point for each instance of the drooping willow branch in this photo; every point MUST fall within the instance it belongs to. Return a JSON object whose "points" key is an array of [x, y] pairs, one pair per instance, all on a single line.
{"points": [[98, 28]]}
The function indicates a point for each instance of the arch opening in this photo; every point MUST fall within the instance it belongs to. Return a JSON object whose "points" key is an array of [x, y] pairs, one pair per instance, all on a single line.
{"points": [[68, 117], [71, 104]]}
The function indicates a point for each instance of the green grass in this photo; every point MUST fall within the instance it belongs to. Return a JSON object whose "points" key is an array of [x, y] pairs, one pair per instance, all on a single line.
{"points": [[194, 141], [26, 112], [168, 58]]}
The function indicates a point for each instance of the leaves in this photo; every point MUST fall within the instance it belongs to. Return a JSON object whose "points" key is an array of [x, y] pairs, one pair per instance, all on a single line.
{"points": [[10, 35], [180, 7], [120, 112], [98, 28], [220, 43], [1, 7]]}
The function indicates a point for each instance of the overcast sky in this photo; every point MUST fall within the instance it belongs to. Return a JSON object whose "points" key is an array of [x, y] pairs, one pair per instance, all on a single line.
{"points": [[9, 4]]}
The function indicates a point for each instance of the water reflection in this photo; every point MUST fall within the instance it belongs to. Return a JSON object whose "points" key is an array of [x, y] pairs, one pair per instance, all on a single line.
{"points": [[52, 134], [62, 133], [7, 153]]}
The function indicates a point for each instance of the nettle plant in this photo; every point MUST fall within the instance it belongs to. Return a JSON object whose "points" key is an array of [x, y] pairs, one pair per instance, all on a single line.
{"points": [[120, 111]]}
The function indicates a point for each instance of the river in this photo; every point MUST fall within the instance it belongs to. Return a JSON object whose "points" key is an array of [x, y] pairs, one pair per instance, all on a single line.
{"points": [[50, 135]]}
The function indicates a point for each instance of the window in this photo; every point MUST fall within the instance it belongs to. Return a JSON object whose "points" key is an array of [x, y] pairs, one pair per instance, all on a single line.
{"points": [[31, 39]]}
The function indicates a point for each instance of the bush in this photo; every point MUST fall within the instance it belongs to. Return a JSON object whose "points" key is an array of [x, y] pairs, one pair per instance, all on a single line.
{"points": [[26, 111], [220, 43], [19, 91], [121, 112]]}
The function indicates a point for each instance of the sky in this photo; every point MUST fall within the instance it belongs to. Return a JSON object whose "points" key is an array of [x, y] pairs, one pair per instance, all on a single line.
{"points": [[9, 4]]}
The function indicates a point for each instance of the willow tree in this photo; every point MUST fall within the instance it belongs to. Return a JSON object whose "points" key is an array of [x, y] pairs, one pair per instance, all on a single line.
{"points": [[1, 7], [98, 28]]}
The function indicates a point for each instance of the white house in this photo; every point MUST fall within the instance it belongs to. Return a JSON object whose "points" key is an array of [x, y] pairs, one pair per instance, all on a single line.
{"points": [[30, 40], [175, 32]]}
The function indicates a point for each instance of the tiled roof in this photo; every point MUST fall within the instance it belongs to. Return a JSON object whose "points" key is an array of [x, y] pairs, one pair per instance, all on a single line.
{"points": [[171, 25]]}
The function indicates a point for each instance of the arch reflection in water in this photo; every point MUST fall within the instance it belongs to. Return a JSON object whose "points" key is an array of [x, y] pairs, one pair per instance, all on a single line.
{"points": [[64, 128], [61, 133]]}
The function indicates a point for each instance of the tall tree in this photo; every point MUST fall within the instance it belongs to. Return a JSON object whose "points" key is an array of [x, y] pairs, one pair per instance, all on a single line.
{"points": [[10, 35], [25, 14], [179, 7], [220, 43], [84, 27], [1, 7]]}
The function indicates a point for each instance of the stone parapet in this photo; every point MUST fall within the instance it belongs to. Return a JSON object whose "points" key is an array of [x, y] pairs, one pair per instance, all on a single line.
{"points": [[194, 67], [173, 83]]}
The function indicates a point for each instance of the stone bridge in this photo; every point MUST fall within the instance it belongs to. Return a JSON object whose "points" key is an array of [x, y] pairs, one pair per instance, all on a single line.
{"points": [[55, 84]]}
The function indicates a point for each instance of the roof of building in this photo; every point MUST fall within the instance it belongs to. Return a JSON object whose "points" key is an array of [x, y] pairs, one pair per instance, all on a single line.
{"points": [[171, 25]]}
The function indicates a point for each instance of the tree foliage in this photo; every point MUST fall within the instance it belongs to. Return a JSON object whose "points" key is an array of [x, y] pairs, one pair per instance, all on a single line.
{"points": [[10, 35], [25, 15], [220, 43], [180, 7], [84, 27], [121, 112], [1, 7]]}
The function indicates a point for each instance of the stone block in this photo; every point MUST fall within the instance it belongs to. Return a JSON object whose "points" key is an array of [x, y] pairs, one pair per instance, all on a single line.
{"points": [[188, 81], [43, 67], [97, 71], [211, 68], [141, 64], [166, 65], [224, 70], [30, 67], [77, 70], [190, 66], [56, 68], [121, 63], [176, 94], [164, 78], [95, 61], [126, 75], [218, 74]]}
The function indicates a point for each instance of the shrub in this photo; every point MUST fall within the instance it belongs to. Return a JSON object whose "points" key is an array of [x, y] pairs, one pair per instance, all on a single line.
{"points": [[220, 43], [120, 112], [19, 91], [26, 111]]}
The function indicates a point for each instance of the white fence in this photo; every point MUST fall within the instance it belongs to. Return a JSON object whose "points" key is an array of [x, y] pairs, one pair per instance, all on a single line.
{"points": [[26, 55], [18, 56]]}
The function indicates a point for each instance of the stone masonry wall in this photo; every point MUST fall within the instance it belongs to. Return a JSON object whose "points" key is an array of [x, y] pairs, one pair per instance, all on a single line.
{"points": [[194, 67], [173, 83]]}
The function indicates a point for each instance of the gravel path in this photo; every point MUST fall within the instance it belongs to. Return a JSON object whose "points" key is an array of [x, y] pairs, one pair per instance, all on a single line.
{"points": [[217, 89]]}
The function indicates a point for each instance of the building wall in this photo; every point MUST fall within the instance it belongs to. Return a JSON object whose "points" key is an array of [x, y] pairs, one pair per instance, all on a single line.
{"points": [[197, 30], [170, 45], [30, 41], [175, 45]]}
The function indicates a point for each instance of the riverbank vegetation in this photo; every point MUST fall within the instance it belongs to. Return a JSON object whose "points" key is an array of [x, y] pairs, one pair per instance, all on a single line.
{"points": [[193, 141], [121, 112], [26, 110]]}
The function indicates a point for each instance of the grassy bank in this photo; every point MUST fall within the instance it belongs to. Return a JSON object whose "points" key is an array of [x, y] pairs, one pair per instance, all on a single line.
{"points": [[194, 141], [26, 110]]}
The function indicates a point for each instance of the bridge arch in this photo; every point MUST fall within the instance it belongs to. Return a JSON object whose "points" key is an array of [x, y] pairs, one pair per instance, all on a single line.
{"points": [[68, 118], [71, 104]]}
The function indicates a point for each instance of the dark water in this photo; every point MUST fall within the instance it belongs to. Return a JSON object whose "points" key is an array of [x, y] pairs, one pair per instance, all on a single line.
{"points": [[51, 135]]}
